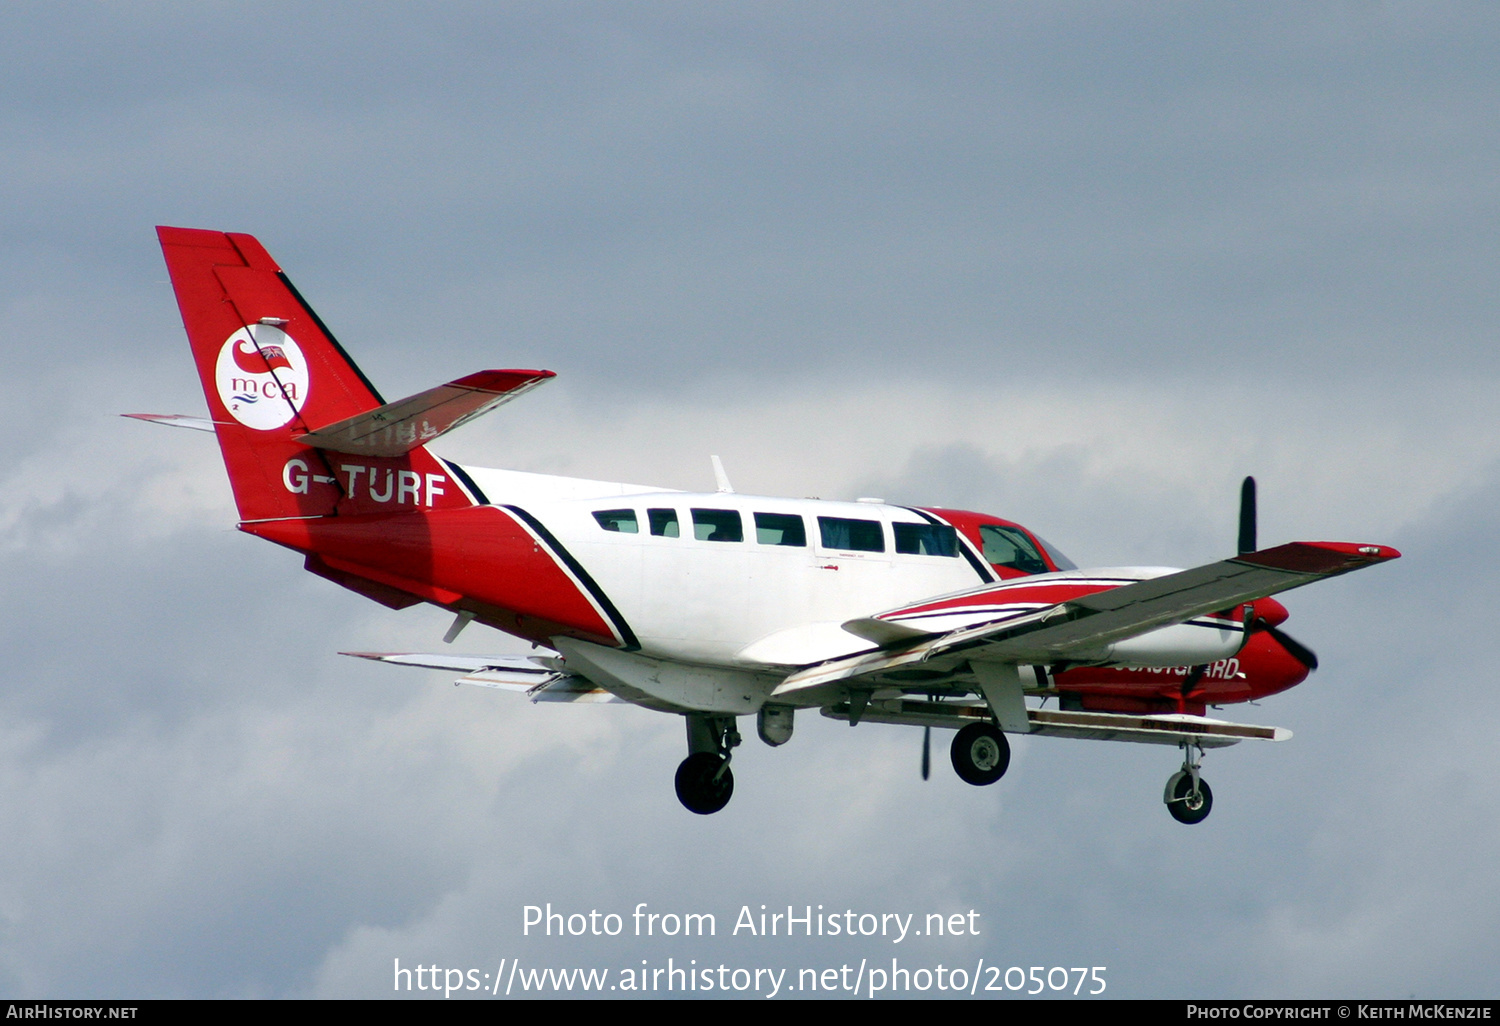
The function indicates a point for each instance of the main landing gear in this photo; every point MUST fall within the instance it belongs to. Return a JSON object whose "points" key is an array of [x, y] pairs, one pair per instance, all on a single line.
{"points": [[980, 754], [704, 782], [1188, 796]]}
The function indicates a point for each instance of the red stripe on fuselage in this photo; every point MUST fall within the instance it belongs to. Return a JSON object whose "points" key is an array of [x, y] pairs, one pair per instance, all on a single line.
{"points": [[1038, 593], [480, 553]]}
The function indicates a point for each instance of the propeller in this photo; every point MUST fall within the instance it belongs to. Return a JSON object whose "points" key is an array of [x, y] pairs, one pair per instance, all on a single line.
{"points": [[1247, 516], [926, 752], [1294, 648]]}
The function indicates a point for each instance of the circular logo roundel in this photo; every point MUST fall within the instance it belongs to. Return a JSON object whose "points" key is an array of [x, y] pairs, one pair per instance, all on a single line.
{"points": [[262, 377]]}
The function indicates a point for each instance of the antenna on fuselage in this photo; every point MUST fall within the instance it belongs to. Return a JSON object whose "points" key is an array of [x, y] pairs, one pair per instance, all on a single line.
{"points": [[721, 479]]}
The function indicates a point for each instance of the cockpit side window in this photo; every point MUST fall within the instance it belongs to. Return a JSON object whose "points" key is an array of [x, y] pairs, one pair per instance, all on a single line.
{"points": [[1058, 559], [1006, 546]]}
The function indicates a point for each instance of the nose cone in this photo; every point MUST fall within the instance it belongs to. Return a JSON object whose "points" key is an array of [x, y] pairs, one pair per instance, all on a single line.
{"points": [[1268, 667], [1271, 611]]}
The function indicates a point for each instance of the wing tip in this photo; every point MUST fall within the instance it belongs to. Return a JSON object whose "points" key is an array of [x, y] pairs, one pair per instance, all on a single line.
{"points": [[1323, 558]]}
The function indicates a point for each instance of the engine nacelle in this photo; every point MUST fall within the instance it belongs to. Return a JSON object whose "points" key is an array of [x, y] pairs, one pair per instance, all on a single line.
{"points": [[1183, 644]]}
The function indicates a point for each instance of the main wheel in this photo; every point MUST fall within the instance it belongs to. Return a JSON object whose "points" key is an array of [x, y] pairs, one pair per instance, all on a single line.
{"points": [[1187, 807], [980, 754], [701, 787]]}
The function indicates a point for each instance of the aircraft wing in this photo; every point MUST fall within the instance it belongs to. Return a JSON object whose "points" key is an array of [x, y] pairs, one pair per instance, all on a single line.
{"points": [[534, 676], [1072, 630], [406, 424]]}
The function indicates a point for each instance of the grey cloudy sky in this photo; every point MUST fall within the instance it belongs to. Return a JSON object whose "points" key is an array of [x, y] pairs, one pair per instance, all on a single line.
{"points": [[1080, 265]]}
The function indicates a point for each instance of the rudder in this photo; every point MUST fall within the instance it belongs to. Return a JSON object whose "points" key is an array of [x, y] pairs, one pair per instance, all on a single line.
{"points": [[271, 372]]}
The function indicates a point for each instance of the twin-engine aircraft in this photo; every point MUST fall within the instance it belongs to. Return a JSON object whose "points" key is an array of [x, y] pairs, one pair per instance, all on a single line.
{"points": [[719, 605]]}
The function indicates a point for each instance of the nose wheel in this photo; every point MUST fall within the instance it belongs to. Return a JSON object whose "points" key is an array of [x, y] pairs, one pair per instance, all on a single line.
{"points": [[1189, 798]]}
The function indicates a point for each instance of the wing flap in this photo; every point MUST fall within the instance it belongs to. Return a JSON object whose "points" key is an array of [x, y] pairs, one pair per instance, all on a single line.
{"points": [[1161, 729], [406, 424]]}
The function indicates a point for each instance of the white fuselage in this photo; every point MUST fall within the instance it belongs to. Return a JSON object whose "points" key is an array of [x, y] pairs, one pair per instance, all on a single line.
{"points": [[743, 602]]}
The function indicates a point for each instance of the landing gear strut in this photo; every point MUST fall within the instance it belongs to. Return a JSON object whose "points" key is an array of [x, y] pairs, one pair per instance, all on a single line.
{"points": [[980, 753], [704, 783], [1188, 796]]}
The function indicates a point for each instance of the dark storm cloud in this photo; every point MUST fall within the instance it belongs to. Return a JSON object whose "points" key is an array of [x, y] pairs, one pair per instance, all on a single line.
{"points": [[660, 192], [1081, 265]]}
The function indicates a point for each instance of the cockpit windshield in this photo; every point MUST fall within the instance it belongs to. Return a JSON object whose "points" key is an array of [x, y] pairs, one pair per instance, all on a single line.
{"points": [[1058, 559]]}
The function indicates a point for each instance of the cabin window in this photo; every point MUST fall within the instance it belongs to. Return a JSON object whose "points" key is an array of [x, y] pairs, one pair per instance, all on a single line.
{"points": [[780, 529], [1006, 546], [663, 522], [926, 539], [621, 520], [851, 535], [718, 525]]}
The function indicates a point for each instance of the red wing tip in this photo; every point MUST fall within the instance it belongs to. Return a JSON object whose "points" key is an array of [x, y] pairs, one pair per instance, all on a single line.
{"points": [[1320, 557]]}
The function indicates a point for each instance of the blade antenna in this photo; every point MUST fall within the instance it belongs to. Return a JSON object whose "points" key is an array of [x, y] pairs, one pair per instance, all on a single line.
{"points": [[1247, 516], [926, 751]]}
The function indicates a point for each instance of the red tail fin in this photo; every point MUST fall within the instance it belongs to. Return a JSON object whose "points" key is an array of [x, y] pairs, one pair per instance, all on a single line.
{"points": [[271, 371]]}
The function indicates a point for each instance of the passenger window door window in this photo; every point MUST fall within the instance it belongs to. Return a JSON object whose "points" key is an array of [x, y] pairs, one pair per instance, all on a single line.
{"points": [[851, 535], [663, 522], [718, 525], [619, 520], [926, 539], [780, 529]]}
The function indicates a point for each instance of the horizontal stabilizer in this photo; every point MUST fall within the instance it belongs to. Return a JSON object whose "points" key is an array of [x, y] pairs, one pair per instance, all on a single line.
{"points": [[173, 420], [531, 675], [406, 424]]}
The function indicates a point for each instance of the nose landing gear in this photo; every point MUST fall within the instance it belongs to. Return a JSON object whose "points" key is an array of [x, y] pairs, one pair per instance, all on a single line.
{"points": [[1189, 798]]}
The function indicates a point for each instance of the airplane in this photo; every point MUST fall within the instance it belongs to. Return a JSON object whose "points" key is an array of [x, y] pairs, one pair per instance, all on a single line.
{"points": [[719, 605]]}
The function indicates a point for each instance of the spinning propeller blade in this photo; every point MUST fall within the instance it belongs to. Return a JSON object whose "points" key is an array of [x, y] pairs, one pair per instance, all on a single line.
{"points": [[1294, 648], [1247, 516]]}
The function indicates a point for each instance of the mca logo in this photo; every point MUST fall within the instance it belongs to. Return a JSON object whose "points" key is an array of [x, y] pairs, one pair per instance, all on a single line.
{"points": [[262, 377]]}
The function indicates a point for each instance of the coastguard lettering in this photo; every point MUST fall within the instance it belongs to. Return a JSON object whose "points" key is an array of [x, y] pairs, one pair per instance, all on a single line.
{"points": [[1224, 669]]}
